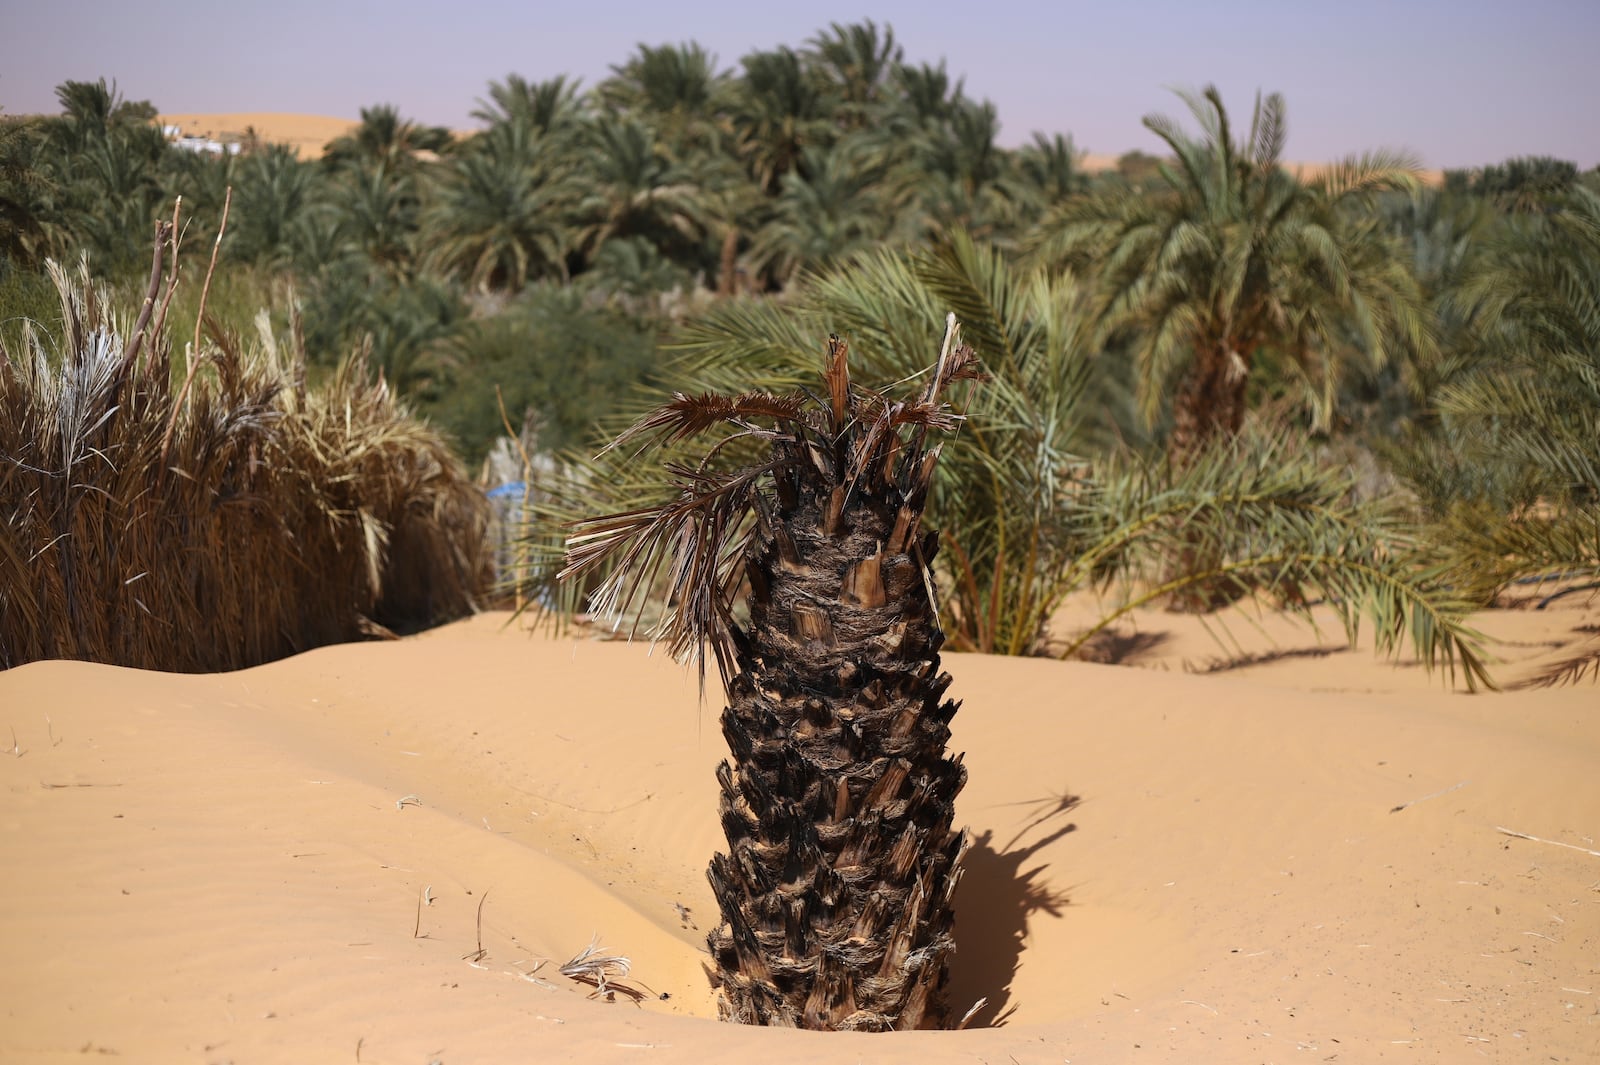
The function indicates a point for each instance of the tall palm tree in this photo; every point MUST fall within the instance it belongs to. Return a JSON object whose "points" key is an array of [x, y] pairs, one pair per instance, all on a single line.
{"points": [[385, 138], [838, 800], [1236, 260], [858, 60], [676, 86], [779, 110], [925, 95], [1529, 407], [277, 198], [102, 156], [1444, 234], [548, 106], [635, 188], [830, 208], [203, 180], [957, 175], [26, 194], [499, 214], [1526, 184], [378, 215], [1051, 170]]}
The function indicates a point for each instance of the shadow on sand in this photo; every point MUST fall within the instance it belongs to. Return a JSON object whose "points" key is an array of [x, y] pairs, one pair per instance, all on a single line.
{"points": [[993, 906]]}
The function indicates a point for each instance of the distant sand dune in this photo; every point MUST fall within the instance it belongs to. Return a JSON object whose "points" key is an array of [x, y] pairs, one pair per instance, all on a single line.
{"points": [[307, 134]]}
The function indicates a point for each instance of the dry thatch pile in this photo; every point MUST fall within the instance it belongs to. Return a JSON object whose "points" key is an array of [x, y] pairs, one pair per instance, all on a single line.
{"points": [[222, 519]]}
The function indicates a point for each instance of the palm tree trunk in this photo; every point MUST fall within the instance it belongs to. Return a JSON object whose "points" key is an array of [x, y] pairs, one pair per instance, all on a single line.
{"points": [[1209, 410], [1210, 406], [727, 278], [836, 889]]}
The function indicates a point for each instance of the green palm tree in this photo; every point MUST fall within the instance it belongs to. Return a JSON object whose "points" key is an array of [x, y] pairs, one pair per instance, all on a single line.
{"points": [[779, 109], [499, 214], [924, 95], [27, 194], [1051, 170], [1530, 405], [92, 109], [1525, 185], [385, 139], [378, 213], [1235, 261], [635, 188], [675, 86], [838, 799], [830, 208], [102, 157], [277, 200], [549, 106], [1443, 234], [956, 175], [858, 61], [202, 179]]}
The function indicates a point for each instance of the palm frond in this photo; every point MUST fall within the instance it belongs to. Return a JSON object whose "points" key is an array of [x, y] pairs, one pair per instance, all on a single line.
{"points": [[1269, 131], [1369, 172], [1256, 514], [685, 416]]}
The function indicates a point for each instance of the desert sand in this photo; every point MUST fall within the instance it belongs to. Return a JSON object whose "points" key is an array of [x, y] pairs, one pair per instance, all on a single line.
{"points": [[308, 135], [1295, 857]]}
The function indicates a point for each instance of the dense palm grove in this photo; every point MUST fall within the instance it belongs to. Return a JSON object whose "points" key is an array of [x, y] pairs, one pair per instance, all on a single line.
{"points": [[1202, 377], [1433, 351]]}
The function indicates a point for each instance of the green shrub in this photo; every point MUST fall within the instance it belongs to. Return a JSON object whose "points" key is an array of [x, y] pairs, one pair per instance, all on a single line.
{"points": [[550, 353]]}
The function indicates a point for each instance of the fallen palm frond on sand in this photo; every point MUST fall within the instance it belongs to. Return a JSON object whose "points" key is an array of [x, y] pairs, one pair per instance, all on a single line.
{"points": [[602, 970], [234, 519]]}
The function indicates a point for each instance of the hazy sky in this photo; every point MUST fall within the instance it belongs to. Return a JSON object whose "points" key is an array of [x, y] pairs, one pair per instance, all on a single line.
{"points": [[1459, 82]]}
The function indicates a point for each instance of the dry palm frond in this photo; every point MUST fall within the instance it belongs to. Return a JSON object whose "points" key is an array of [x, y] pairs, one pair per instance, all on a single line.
{"points": [[686, 416], [696, 534], [602, 970], [266, 517]]}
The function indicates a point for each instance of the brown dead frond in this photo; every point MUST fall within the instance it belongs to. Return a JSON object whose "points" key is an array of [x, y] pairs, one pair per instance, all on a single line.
{"points": [[685, 416], [695, 535]]}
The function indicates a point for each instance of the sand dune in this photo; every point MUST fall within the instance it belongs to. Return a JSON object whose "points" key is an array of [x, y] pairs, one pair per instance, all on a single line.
{"points": [[308, 135], [1168, 866]]}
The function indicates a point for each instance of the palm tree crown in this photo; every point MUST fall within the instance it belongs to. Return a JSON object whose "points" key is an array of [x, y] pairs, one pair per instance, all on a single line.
{"points": [[1235, 259]]}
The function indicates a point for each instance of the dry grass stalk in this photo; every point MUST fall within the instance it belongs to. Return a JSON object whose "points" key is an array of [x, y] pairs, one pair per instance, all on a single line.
{"points": [[1551, 842], [279, 520]]}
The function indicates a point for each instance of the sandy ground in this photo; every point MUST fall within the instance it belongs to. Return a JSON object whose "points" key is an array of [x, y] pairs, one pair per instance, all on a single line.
{"points": [[1295, 858], [307, 134]]}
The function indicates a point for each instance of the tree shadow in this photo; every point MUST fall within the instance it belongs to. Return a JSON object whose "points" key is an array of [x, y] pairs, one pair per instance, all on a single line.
{"points": [[996, 900], [1113, 647], [1245, 660]]}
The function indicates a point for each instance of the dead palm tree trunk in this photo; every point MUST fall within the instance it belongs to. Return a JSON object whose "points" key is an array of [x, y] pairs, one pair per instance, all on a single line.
{"points": [[838, 798], [835, 894]]}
